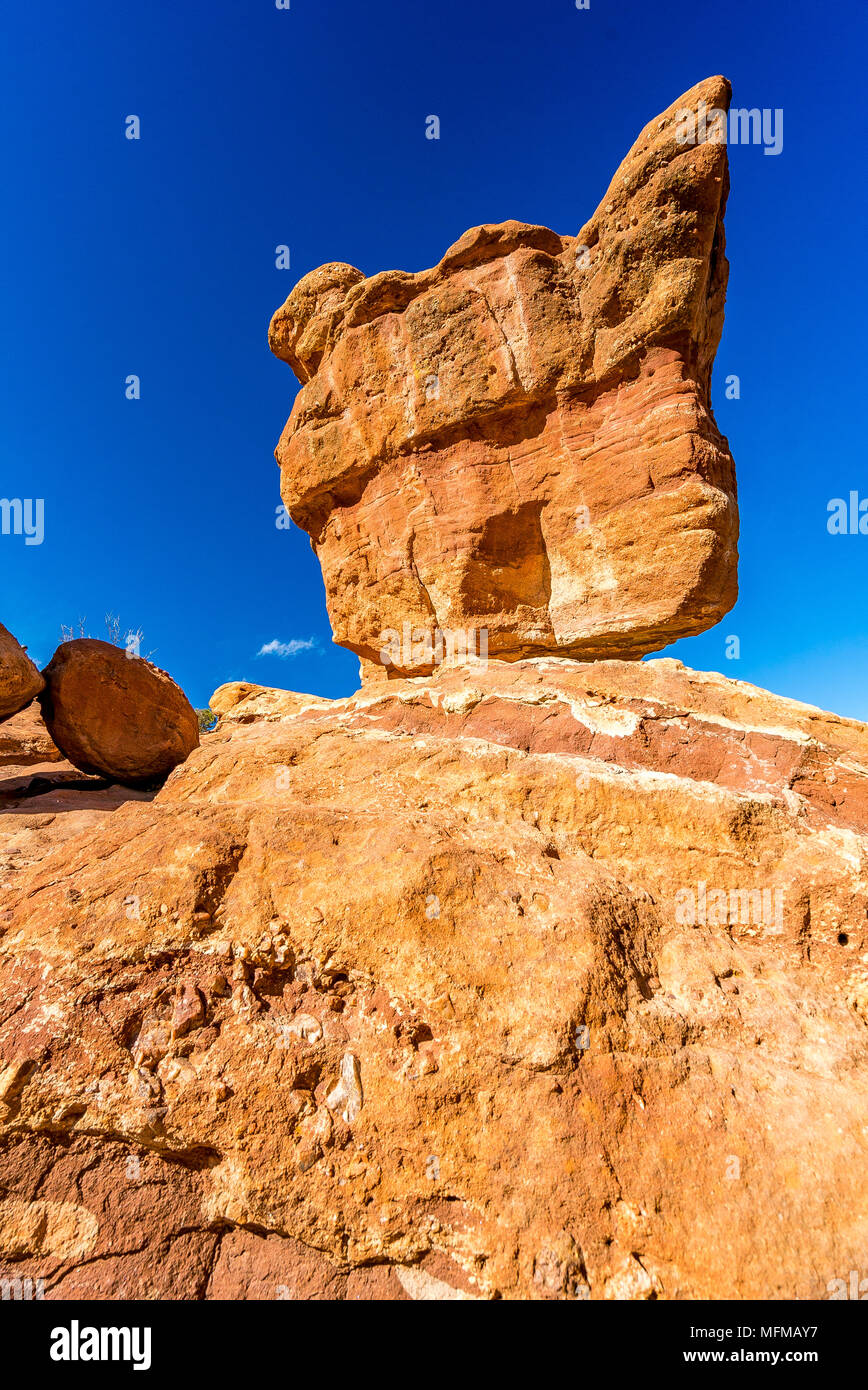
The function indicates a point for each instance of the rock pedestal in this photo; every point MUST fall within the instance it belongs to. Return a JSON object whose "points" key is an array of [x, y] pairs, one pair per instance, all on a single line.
{"points": [[548, 982]]}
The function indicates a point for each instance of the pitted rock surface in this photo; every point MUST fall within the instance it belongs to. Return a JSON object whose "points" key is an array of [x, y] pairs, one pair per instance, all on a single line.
{"points": [[403, 996]]}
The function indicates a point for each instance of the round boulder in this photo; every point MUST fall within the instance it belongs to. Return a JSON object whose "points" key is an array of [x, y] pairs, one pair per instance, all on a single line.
{"points": [[115, 714], [19, 679]]}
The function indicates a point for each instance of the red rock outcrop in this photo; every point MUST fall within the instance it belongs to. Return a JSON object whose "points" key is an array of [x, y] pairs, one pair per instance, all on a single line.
{"points": [[115, 714], [529, 979], [520, 441], [20, 681], [541, 981], [25, 739]]}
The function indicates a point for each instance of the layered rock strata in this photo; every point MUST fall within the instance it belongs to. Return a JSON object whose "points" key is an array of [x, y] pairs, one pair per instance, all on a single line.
{"points": [[541, 981], [520, 441]]}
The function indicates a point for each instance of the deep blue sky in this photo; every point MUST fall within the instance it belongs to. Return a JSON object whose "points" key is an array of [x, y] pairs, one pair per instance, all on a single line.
{"points": [[307, 127]]}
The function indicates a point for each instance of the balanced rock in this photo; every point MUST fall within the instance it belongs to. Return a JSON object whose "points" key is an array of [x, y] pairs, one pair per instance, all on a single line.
{"points": [[115, 714], [20, 681], [536, 979], [543, 981], [520, 441]]}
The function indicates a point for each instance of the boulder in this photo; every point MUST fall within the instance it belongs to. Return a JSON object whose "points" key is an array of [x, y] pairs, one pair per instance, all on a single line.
{"points": [[520, 441], [246, 703], [20, 681], [115, 714]]}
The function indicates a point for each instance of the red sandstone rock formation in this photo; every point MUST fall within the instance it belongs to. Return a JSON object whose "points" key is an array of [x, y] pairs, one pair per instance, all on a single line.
{"points": [[536, 980], [545, 981], [521, 439], [24, 739]]}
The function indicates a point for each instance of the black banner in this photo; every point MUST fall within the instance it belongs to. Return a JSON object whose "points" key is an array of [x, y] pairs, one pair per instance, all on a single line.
{"points": [[223, 1339]]}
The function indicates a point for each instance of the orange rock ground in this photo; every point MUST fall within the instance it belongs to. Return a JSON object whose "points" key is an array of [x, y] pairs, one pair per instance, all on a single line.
{"points": [[398, 996]]}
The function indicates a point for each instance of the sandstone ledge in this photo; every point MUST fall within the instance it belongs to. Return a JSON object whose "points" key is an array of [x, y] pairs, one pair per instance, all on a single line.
{"points": [[392, 997]]}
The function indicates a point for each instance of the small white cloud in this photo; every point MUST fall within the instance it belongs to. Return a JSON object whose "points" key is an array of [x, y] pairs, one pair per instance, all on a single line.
{"points": [[284, 649]]}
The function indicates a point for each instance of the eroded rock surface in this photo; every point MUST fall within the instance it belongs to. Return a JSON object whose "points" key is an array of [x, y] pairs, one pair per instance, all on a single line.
{"points": [[545, 980], [520, 440], [534, 978], [24, 739]]}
